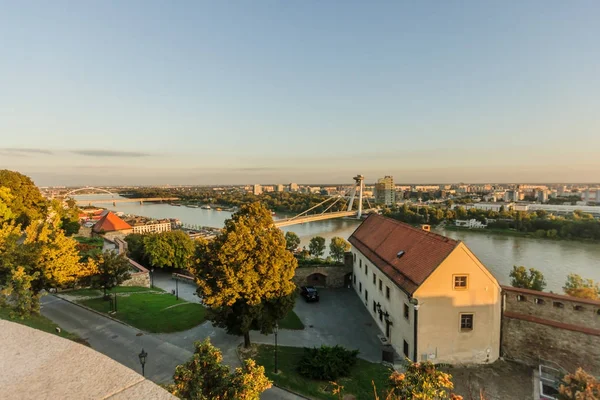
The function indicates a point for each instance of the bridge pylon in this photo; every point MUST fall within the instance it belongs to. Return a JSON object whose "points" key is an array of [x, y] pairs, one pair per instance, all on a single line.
{"points": [[358, 184]]}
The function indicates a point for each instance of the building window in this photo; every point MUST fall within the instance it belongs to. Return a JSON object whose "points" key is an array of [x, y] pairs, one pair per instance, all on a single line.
{"points": [[366, 296], [406, 311], [354, 277], [578, 308], [520, 297], [374, 306], [540, 301], [366, 269], [460, 282], [380, 285], [466, 322], [360, 264], [374, 278], [354, 257], [360, 287], [387, 292], [406, 349], [558, 304], [381, 316]]}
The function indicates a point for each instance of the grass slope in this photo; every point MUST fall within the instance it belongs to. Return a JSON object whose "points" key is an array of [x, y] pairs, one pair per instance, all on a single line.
{"points": [[39, 322], [358, 384], [117, 289], [150, 311], [291, 321]]}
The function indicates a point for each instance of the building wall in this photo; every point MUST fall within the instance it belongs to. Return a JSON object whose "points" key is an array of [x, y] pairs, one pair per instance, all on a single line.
{"points": [[561, 329], [138, 279], [151, 228], [335, 275], [440, 307], [401, 329]]}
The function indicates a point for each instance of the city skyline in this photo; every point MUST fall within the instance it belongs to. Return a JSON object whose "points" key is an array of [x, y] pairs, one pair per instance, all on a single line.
{"points": [[144, 93]]}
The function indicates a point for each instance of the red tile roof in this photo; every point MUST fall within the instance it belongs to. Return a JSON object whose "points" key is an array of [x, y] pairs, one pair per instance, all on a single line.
{"points": [[380, 239], [109, 223]]}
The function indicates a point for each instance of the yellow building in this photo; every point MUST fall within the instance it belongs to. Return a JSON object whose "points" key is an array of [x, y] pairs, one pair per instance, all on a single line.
{"points": [[430, 296]]}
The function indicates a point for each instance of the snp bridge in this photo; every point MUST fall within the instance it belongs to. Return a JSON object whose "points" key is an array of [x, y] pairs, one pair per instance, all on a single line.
{"points": [[305, 217]]}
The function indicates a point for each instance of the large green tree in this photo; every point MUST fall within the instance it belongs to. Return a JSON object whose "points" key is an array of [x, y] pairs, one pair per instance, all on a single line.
{"points": [[316, 246], [27, 202], [204, 377], [169, 249], [245, 274], [113, 269], [532, 279], [135, 247], [580, 287], [338, 247], [292, 241]]}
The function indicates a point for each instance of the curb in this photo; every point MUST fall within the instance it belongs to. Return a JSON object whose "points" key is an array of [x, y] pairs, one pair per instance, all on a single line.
{"points": [[97, 312], [237, 353]]}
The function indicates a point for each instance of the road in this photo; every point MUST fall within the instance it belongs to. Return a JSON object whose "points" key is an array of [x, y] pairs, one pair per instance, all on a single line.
{"points": [[123, 343]]}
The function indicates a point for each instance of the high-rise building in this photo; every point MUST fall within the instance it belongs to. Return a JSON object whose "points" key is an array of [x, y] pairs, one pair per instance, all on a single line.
{"points": [[257, 189], [293, 187], [279, 188], [385, 191]]}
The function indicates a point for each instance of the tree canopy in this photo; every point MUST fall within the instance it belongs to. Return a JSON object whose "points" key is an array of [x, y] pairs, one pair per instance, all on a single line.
{"points": [[316, 246], [577, 286], [113, 269], [338, 247], [245, 274], [533, 279], [292, 241], [579, 386], [204, 377], [169, 249], [26, 202]]}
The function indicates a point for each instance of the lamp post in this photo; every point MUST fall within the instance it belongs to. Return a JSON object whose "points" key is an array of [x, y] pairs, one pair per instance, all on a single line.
{"points": [[142, 357], [276, 330], [152, 278], [115, 302], [176, 288]]}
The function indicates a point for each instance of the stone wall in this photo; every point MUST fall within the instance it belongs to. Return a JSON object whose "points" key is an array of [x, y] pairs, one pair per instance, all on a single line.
{"points": [[138, 279], [334, 276], [562, 329]]}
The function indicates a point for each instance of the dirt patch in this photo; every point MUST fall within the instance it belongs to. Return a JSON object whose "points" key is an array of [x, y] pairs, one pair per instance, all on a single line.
{"points": [[502, 380]]}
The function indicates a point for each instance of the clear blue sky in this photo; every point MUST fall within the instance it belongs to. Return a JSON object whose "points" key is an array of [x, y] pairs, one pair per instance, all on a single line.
{"points": [[118, 92]]}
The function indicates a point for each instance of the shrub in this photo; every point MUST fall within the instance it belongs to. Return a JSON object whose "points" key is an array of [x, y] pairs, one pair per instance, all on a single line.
{"points": [[327, 363]]}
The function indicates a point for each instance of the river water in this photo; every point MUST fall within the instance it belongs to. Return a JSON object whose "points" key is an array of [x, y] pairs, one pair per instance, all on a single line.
{"points": [[555, 259]]}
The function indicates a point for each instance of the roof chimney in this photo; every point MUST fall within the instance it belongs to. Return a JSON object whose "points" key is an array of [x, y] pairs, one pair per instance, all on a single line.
{"points": [[426, 228]]}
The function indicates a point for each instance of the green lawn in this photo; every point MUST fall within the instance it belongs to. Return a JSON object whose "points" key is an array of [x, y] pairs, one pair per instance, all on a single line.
{"points": [[291, 321], [39, 322], [358, 384], [149, 312], [118, 289]]}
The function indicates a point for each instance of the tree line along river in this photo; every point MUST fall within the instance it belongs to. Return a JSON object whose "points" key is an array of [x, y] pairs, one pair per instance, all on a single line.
{"points": [[555, 259]]}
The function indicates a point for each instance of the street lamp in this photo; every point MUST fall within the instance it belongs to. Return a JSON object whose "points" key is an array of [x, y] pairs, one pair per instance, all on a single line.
{"points": [[142, 357], [176, 289], [152, 278], [276, 330]]}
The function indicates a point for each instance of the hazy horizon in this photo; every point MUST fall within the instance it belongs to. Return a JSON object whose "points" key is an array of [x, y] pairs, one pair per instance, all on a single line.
{"points": [[153, 93]]}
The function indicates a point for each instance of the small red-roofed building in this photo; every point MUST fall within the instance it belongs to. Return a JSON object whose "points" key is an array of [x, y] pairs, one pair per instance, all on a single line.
{"points": [[111, 226]]}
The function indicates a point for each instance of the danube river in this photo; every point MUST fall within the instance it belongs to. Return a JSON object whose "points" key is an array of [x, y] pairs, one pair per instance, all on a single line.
{"points": [[556, 259]]}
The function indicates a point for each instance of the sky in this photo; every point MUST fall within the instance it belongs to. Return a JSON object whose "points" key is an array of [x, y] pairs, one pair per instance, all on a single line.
{"points": [[227, 92]]}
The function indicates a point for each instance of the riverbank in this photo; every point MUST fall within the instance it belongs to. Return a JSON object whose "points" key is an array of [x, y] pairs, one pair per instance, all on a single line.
{"points": [[515, 233]]}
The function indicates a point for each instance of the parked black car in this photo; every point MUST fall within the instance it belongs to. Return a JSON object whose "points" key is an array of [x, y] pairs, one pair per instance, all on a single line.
{"points": [[309, 293]]}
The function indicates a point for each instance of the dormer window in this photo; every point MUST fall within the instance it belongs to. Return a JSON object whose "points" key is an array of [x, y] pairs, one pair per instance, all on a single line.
{"points": [[400, 254]]}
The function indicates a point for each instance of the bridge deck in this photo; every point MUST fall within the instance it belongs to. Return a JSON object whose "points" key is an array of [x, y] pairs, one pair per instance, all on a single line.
{"points": [[149, 199], [310, 218]]}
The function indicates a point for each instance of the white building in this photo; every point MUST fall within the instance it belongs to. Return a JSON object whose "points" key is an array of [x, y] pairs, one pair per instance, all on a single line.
{"points": [[257, 189], [279, 188], [152, 227], [430, 295], [470, 223], [294, 187]]}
